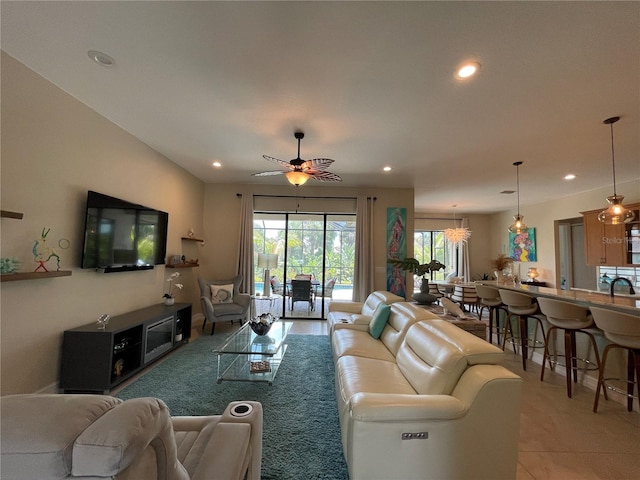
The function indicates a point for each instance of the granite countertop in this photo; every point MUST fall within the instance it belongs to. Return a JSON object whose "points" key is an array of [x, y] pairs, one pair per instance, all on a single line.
{"points": [[622, 303]]}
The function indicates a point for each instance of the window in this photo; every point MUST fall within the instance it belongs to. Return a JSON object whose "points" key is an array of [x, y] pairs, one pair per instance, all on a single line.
{"points": [[433, 245]]}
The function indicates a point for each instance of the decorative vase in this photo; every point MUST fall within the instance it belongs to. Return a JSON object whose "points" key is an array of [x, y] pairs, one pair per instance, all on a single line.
{"points": [[169, 300], [424, 286], [499, 276]]}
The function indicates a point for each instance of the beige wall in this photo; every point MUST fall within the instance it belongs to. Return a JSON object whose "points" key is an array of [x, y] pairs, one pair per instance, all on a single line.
{"points": [[542, 217], [54, 149], [222, 203]]}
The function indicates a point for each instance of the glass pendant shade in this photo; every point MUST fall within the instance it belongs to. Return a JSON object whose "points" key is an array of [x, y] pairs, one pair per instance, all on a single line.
{"points": [[297, 178], [518, 226], [616, 213]]}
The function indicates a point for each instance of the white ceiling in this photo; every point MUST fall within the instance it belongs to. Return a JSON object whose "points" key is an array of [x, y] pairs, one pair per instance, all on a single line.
{"points": [[370, 84]]}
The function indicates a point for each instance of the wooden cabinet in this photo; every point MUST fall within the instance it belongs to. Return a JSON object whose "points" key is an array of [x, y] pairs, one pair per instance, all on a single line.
{"points": [[611, 245], [97, 359]]}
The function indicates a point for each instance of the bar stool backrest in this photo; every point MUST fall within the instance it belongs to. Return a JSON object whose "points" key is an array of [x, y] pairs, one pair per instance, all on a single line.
{"points": [[518, 303], [565, 314], [486, 292], [618, 327]]}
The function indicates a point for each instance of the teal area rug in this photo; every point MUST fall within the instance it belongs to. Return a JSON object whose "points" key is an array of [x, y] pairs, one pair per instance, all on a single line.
{"points": [[301, 437]]}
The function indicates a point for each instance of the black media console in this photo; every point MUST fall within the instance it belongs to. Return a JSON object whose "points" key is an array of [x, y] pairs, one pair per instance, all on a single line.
{"points": [[96, 359]]}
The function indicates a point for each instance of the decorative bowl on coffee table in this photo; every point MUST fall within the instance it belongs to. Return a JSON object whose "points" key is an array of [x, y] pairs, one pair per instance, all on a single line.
{"points": [[262, 323]]}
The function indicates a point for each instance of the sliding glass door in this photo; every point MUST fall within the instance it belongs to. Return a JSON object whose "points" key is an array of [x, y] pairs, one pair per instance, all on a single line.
{"points": [[314, 247]]}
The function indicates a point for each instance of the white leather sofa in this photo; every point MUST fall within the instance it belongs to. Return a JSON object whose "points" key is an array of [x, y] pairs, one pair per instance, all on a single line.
{"points": [[439, 407], [358, 313], [97, 436]]}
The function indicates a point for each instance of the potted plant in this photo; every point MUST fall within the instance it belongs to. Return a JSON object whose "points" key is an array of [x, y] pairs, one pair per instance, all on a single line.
{"points": [[168, 297], [414, 266], [499, 264]]}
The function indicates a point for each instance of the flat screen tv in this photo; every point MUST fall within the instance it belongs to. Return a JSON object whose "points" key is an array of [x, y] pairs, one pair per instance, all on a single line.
{"points": [[120, 236]]}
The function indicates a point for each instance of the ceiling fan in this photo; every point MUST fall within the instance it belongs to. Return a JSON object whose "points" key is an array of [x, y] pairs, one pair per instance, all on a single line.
{"points": [[298, 171]]}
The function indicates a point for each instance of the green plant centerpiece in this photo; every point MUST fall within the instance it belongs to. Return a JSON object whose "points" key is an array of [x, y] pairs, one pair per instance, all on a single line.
{"points": [[414, 266]]}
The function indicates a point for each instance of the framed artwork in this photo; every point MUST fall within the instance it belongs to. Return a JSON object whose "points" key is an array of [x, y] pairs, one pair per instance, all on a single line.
{"points": [[396, 248], [522, 246]]}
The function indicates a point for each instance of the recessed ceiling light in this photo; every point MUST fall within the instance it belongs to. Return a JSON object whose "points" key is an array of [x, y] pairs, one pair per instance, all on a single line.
{"points": [[467, 70], [569, 176], [387, 168], [216, 164], [100, 58]]}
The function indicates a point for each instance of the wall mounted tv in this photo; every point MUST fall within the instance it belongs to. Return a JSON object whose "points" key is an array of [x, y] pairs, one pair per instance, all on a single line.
{"points": [[120, 236]]}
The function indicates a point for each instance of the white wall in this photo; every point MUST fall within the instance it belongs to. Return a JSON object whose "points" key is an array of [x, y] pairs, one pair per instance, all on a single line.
{"points": [[54, 149]]}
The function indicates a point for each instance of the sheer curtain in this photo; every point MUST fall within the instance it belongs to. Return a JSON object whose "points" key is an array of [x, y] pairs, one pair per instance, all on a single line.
{"points": [[364, 267], [245, 245]]}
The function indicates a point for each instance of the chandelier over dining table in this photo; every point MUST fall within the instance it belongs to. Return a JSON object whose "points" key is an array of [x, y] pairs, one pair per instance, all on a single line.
{"points": [[456, 235]]}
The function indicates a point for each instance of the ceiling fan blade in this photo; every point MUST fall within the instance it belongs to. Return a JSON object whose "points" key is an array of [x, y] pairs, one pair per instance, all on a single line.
{"points": [[268, 174], [278, 161], [325, 176], [317, 164]]}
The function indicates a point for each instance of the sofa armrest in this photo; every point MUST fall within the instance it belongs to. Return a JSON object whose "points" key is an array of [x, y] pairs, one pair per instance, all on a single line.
{"points": [[383, 407], [345, 306]]}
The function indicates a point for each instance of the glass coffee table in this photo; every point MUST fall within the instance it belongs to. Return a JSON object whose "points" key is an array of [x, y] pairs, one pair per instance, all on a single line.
{"points": [[256, 357]]}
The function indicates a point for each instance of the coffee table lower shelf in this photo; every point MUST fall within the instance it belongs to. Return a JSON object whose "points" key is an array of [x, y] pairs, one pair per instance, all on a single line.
{"points": [[240, 368]]}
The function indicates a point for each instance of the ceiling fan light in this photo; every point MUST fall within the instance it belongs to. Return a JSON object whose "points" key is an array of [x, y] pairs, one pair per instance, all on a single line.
{"points": [[297, 178], [616, 213], [518, 226]]}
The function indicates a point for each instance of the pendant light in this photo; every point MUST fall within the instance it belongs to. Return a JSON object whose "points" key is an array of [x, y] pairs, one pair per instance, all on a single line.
{"points": [[616, 213], [518, 226], [457, 235]]}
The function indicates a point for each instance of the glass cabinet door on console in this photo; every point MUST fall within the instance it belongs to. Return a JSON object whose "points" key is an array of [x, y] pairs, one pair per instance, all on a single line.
{"points": [[612, 245]]}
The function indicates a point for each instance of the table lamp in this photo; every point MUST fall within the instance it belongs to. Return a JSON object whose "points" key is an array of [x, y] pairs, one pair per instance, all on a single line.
{"points": [[267, 261], [532, 273]]}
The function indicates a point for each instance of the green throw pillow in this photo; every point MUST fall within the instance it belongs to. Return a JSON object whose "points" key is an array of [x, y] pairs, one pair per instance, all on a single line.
{"points": [[379, 320]]}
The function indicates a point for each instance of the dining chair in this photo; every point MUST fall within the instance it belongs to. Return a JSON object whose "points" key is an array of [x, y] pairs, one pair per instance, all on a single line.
{"points": [[301, 292]]}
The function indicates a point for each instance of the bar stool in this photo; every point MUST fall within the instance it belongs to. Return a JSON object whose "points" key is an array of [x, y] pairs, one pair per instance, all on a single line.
{"points": [[524, 307], [623, 331], [572, 319], [490, 299], [465, 295]]}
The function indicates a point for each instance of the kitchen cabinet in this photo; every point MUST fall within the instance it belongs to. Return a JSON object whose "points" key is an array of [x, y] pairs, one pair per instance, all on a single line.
{"points": [[611, 245]]}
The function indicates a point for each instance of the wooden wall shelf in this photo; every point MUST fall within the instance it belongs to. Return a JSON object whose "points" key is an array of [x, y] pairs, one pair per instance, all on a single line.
{"points": [[192, 239], [183, 265], [8, 214], [12, 277]]}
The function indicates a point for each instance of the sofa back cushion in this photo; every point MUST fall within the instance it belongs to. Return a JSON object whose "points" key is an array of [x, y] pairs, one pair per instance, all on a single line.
{"points": [[38, 432], [435, 354], [376, 298], [401, 317]]}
